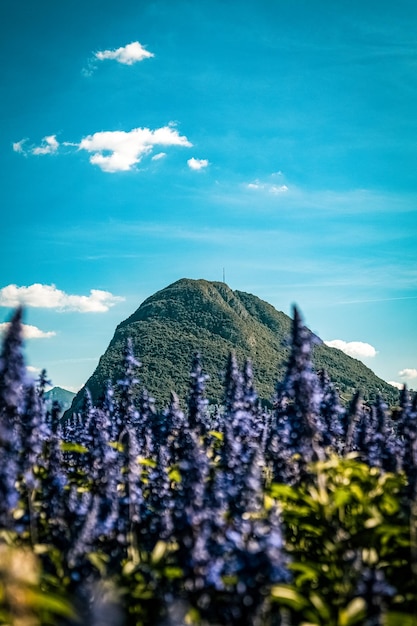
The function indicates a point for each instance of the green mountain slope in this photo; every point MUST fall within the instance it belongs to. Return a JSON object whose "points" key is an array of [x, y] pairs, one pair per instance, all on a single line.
{"points": [[192, 315], [58, 394]]}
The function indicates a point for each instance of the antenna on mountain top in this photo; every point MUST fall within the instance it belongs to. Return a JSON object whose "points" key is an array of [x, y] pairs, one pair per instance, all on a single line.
{"points": [[224, 276]]}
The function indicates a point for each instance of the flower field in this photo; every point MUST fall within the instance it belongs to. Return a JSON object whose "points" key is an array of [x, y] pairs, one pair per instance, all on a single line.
{"points": [[127, 515]]}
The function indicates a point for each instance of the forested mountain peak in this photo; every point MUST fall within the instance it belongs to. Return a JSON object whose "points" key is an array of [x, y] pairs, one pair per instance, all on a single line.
{"points": [[187, 296], [209, 317]]}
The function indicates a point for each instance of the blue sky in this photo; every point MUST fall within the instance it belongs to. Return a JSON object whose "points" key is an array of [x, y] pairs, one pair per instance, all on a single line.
{"points": [[143, 142]]}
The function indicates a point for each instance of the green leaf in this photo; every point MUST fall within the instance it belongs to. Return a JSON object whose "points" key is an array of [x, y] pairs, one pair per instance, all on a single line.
{"points": [[284, 491], [50, 603], [303, 571], [354, 613], [117, 445], [41, 548], [174, 475], [159, 552], [341, 497], [372, 522], [318, 602], [216, 434], [99, 560], [288, 596], [69, 446], [192, 617], [173, 572], [129, 568], [147, 462]]}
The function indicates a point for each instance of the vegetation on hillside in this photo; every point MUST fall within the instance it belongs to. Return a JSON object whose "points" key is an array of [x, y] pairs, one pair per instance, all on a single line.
{"points": [[62, 396], [208, 317], [125, 516]]}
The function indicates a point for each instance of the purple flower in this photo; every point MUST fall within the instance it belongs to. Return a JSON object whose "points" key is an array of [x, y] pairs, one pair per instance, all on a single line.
{"points": [[12, 375]]}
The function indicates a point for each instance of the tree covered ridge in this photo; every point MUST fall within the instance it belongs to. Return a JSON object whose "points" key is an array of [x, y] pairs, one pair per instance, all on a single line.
{"points": [[199, 315], [123, 515]]}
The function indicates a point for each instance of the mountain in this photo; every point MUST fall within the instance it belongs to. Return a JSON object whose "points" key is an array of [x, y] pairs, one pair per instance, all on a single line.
{"points": [[190, 315], [63, 396]]}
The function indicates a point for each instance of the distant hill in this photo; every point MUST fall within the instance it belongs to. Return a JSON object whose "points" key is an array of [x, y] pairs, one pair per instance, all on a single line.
{"points": [[192, 315], [63, 396]]}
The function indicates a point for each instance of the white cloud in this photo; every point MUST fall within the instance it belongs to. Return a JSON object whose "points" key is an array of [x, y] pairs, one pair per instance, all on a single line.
{"points": [[395, 384], [114, 151], [69, 387], [160, 155], [408, 373], [33, 332], [257, 185], [49, 146], [49, 297], [128, 55], [30, 332], [18, 146], [128, 148], [197, 164], [355, 349], [278, 188]]}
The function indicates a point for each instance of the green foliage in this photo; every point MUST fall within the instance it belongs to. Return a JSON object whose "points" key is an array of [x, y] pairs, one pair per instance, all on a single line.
{"points": [[57, 394], [198, 315], [26, 599], [346, 518]]}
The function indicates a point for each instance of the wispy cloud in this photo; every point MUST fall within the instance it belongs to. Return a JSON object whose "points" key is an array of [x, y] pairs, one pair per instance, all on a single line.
{"points": [[127, 55], [49, 145], [412, 282], [49, 297], [351, 271], [30, 332], [323, 201], [257, 185], [18, 146], [197, 164], [273, 184], [409, 373], [159, 156], [355, 349]]}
